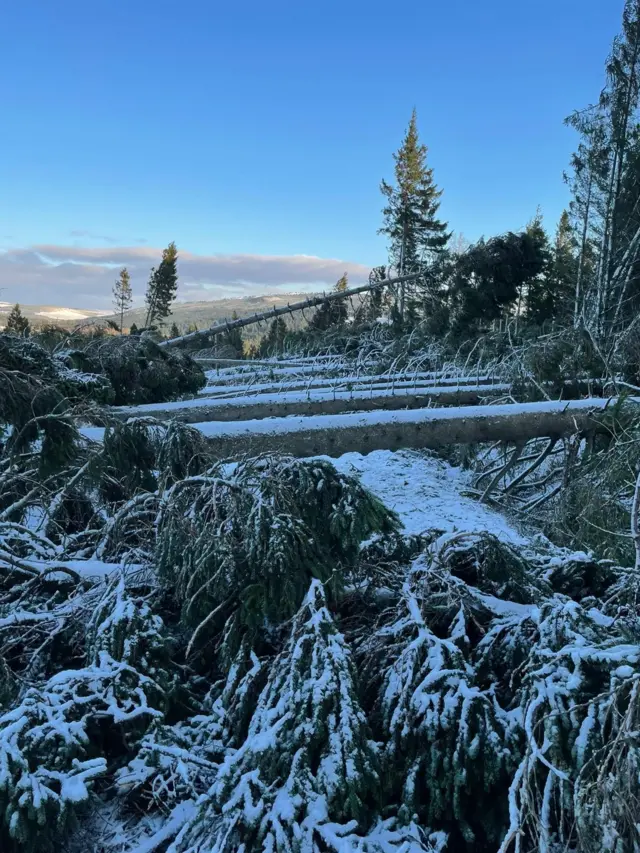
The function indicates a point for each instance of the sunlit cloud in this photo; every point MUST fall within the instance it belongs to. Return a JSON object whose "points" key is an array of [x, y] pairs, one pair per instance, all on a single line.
{"points": [[83, 276]]}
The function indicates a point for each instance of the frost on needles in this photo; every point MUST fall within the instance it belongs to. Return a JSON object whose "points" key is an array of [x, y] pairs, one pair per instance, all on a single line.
{"points": [[263, 661]]}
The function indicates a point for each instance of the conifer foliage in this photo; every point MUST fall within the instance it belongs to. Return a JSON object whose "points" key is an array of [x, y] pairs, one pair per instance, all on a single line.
{"points": [[122, 296], [253, 676], [17, 322], [410, 214], [162, 287], [415, 233]]}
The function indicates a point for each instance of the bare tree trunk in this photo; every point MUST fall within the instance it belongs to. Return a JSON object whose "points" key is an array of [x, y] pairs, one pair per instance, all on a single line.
{"points": [[334, 435], [403, 250], [583, 249], [280, 405], [312, 302], [621, 148]]}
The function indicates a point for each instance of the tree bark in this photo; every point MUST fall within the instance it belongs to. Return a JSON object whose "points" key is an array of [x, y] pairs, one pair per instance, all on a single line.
{"points": [[334, 435]]}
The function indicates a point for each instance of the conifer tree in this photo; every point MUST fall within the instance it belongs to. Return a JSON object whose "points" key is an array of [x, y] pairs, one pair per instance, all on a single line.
{"points": [[17, 322], [332, 314], [122, 295], [564, 267], [306, 775], [487, 280], [134, 329], [233, 339], [411, 206], [174, 331], [162, 286], [273, 341], [537, 292]]}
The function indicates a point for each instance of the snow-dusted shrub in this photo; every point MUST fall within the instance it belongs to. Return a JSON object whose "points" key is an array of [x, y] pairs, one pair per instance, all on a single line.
{"points": [[139, 370], [445, 739], [36, 411], [61, 736], [179, 762], [577, 697], [183, 452], [48, 745], [482, 560], [124, 626], [306, 776], [70, 378], [582, 576], [243, 544]]}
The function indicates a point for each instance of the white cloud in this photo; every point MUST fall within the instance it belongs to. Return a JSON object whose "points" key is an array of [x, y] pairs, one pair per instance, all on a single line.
{"points": [[83, 277]]}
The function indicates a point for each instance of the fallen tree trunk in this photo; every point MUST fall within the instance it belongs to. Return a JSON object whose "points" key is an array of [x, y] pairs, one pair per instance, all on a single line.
{"points": [[348, 383], [314, 376], [334, 435], [312, 302], [326, 402], [212, 361]]}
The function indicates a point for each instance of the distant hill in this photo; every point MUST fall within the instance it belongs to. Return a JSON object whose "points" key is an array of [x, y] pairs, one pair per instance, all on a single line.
{"points": [[202, 314], [39, 315], [205, 314]]}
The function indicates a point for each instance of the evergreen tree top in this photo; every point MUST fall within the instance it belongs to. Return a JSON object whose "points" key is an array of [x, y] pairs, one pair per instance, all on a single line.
{"points": [[410, 212], [411, 168], [342, 284]]}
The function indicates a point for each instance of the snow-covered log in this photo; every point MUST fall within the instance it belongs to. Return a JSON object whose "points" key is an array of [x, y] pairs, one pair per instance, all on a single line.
{"points": [[333, 435], [324, 402], [340, 383]]}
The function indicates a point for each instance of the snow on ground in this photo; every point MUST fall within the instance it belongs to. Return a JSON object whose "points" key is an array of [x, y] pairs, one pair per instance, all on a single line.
{"points": [[425, 492], [62, 314]]}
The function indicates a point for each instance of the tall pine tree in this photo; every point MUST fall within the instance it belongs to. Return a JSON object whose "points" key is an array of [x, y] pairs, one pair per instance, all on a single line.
{"points": [[122, 295], [162, 286], [415, 233], [17, 322]]}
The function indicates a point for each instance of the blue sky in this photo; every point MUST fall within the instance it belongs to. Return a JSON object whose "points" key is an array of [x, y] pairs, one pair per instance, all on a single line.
{"points": [[263, 129]]}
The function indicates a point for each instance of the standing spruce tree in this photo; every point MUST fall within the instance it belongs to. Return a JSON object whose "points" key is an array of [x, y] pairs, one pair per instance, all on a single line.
{"points": [[233, 339], [564, 268], [162, 286], [334, 314], [273, 342], [411, 206], [17, 322], [122, 295], [374, 303], [536, 293], [174, 332]]}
